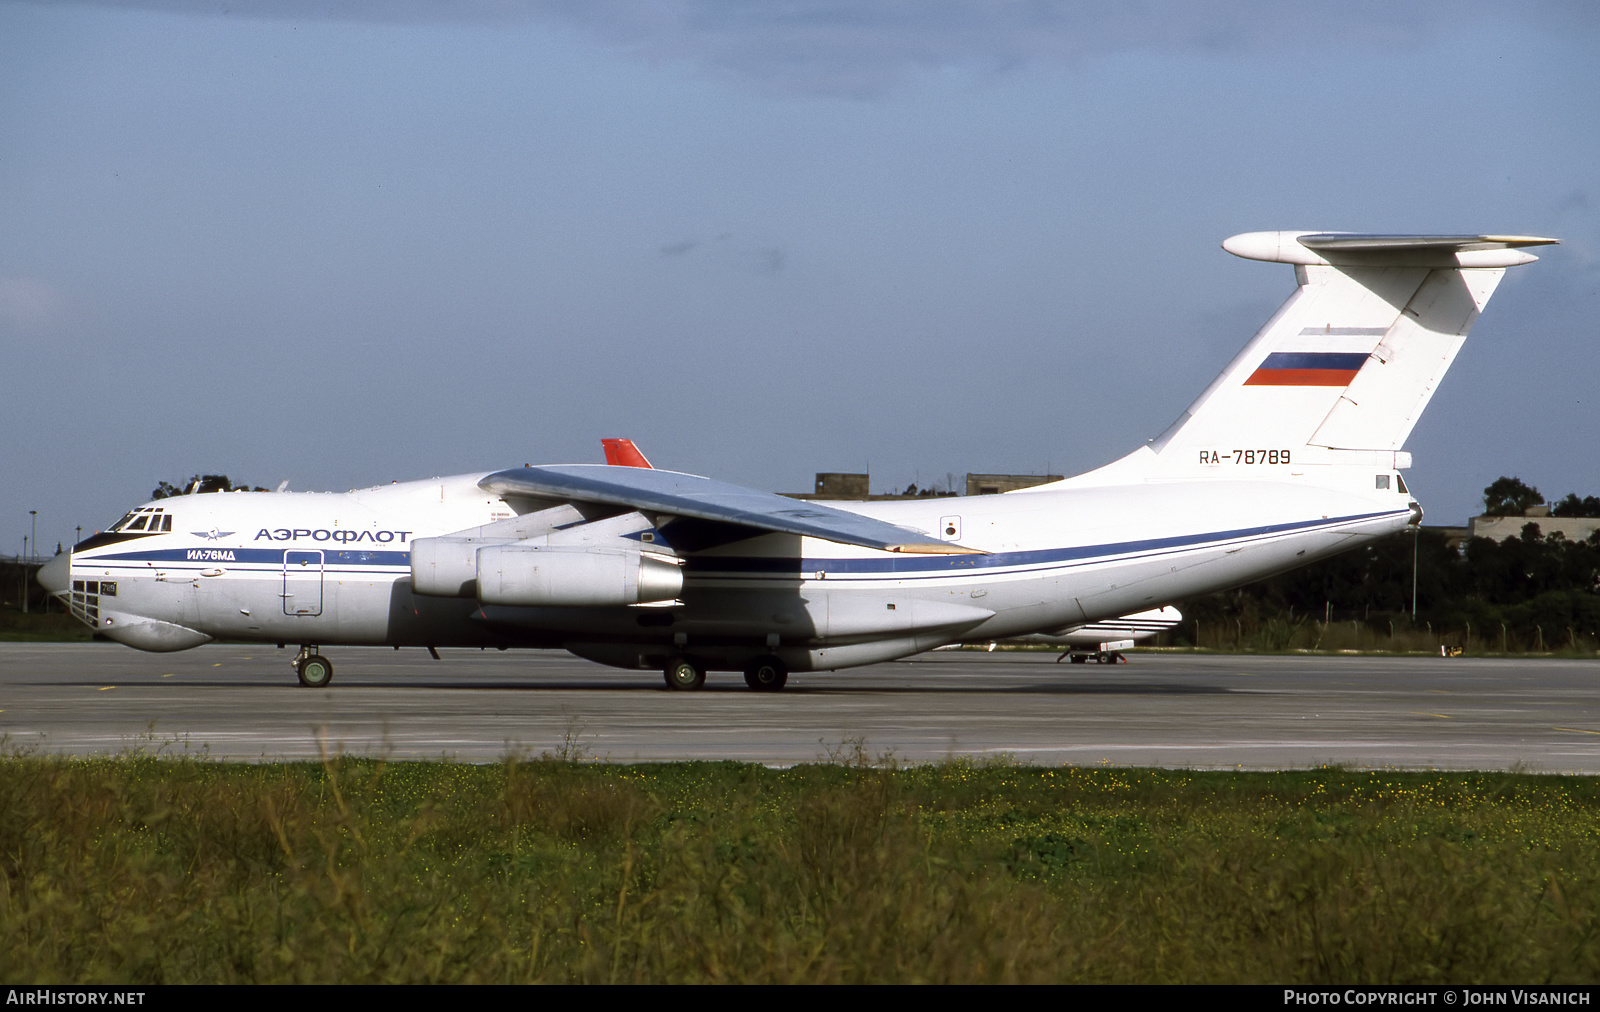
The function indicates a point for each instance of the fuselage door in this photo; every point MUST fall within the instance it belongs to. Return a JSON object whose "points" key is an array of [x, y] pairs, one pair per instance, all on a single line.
{"points": [[302, 583]]}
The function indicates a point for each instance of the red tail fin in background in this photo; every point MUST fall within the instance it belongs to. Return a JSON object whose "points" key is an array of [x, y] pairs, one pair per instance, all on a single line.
{"points": [[622, 453]]}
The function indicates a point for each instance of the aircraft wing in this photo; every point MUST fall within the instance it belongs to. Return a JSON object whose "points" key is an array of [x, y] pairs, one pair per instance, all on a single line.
{"points": [[672, 493]]}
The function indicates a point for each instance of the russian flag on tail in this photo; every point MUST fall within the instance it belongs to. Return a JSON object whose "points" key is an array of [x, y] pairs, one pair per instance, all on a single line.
{"points": [[1307, 369]]}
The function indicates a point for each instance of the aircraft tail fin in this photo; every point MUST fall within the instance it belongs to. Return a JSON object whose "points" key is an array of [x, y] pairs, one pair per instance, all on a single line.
{"points": [[622, 452], [1351, 360]]}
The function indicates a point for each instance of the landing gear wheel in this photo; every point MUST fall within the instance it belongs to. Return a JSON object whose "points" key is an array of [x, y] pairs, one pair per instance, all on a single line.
{"points": [[315, 671], [684, 675], [1080, 658], [766, 674]]}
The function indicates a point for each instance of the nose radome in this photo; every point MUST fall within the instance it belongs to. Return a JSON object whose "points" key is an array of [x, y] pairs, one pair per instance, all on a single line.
{"points": [[56, 575]]}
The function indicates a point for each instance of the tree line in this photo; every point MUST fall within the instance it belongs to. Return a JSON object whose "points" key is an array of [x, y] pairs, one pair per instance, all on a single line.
{"points": [[201, 483], [1534, 591], [1511, 497]]}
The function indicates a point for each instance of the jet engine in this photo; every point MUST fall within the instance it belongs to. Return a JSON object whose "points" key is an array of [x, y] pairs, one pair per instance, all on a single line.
{"points": [[541, 575]]}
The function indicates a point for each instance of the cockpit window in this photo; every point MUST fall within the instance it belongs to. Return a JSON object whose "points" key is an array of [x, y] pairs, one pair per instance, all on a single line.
{"points": [[146, 518]]}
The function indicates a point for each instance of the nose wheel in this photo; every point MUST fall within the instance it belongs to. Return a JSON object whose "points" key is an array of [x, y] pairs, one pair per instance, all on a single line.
{"points": [[314, 670], [684, 675]]}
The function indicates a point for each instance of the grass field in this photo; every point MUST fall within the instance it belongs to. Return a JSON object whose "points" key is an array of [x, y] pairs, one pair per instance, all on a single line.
{"points": [[147, 869], [52, 627]]}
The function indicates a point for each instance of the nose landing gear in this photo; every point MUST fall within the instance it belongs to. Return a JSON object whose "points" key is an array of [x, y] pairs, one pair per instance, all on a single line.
{"points": [[684, 675], [315, 670]]}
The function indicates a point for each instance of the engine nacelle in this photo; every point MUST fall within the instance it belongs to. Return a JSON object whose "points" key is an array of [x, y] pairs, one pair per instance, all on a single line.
{"points": [[445, 567], [528, 575]]}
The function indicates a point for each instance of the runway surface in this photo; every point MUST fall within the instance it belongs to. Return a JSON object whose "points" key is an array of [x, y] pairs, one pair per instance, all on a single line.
{"points": [[243, 702]]}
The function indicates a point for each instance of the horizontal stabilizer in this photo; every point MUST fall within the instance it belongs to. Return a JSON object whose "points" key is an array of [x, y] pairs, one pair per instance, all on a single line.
{"points": [[1321, 249], [1360, 241], [672, 493]]}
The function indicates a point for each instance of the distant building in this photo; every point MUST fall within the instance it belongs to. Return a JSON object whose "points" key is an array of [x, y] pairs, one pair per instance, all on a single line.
{"points": [[994, 484], [840, 485], [1500, 528]]}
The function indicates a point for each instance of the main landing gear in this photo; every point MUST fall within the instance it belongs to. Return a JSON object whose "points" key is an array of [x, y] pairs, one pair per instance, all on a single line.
{"points": [[1099, 657], [315, 670], [764, 674]]}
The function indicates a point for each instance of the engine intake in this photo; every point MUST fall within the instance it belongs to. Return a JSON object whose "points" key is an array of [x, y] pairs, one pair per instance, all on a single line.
{"points": [[445, 567]]}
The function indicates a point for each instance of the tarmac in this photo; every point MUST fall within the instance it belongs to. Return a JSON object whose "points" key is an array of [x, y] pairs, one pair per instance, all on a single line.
{"points": [[1162, 709]]}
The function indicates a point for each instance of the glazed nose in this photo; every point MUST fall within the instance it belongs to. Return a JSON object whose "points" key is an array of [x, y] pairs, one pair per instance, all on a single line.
{"points": [[56, 575]]}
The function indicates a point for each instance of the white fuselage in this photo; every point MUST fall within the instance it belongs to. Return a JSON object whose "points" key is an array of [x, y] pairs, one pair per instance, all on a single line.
{"points": [[334, 568], [1290, 455]]}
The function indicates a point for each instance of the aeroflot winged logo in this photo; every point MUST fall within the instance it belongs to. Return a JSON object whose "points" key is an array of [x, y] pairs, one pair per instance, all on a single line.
{"points": [[213, 534]]}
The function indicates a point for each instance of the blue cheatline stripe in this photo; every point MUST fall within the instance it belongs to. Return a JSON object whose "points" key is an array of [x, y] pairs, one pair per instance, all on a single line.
{"points": [[268, 556], [1339, 360], [940, 565], [917, 565]]}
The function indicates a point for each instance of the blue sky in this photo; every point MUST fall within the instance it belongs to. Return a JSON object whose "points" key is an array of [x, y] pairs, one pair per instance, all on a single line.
{"points": [[341, 243]]}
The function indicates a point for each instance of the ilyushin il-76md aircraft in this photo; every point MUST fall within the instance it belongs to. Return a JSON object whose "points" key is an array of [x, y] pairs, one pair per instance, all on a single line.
{"points": [[1292, 454]]}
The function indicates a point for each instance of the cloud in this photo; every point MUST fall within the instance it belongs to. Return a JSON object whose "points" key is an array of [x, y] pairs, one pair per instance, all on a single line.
{"points": [[863, 48], [770, 261], [30, 305], [1575, 202], [1573, 220], [763, 260]]}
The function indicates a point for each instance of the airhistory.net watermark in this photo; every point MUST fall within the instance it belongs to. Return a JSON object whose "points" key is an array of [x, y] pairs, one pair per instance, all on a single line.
{"points": [[71, 996]]}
